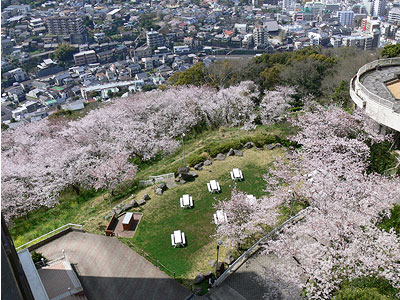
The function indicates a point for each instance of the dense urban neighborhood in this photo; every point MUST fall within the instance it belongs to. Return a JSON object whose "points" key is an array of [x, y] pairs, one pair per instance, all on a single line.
{"points": [[64, 55]]}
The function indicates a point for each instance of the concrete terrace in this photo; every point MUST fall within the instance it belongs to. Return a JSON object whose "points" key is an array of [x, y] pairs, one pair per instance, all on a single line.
{"points": [[375, 80], [108, 269]]}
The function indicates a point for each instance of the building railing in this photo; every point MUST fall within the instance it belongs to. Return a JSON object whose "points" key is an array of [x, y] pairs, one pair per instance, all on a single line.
{"points": [[50, 234], [371, 66], [249, 252]]}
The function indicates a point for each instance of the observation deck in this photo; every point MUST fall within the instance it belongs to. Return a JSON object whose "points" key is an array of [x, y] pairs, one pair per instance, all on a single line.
{"points": [[376, 89]]}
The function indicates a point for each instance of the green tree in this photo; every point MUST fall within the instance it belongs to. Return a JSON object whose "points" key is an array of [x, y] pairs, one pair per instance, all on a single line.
{"points": [[271, 77], [87, 22], [342, 94], [64, 52], [4, 126], [391, 51], [192, 76]]}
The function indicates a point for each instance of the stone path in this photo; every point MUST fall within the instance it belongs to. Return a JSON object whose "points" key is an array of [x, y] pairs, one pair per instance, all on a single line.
{"points": [[110, 270]]}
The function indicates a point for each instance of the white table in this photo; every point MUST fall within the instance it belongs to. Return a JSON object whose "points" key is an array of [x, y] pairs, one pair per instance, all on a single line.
{"points": [[178, 238], [220, 217], [236, 174], [186, 201], [213, 186]]}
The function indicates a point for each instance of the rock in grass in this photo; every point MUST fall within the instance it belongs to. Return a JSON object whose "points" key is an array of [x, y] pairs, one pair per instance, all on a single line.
{"points": [[146, 197], [220, 156], [142, 202], [238, 152], [231, 152], [183, 170], [207, 163], [134, 203], [248, 145], [199, 278], [159, 191], [199, 166], [208, 274], [163, 186], [128, 206], [193, 174]]}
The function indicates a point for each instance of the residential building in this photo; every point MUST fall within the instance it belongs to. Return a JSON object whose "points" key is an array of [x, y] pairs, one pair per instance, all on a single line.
{"points": [[64, 25], [260, 36], [394, 15], [379, 8], [154, 39], [70, 26], [85, 57], [345, 17]]}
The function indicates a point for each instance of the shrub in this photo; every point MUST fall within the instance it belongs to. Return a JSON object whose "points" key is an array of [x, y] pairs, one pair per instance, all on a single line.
{"points": [[360, 294], [214, 149], [37, 256], [194, 159], [381, 158], [393, 221], [264, 139], [368, 288]]}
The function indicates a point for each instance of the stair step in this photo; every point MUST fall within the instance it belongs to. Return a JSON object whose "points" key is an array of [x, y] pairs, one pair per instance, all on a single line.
{"points": [[225, 292]]}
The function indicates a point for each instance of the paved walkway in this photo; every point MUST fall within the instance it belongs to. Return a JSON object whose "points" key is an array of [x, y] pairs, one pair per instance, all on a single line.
{"points": [[110, 270], [254, 280]]}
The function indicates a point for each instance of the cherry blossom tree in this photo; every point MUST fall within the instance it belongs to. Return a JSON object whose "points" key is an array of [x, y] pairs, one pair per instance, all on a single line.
{"points": [[245, 217], [275, 104], [339, 239], [44, 158]]}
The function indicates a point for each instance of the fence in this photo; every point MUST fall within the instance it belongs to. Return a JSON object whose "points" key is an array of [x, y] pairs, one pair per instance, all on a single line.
{"points": [[156, 179], [242, 258], [154, 261], [50, 234]]}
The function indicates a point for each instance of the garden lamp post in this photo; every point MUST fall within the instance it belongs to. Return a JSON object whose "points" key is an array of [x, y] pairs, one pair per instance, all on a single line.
{"points": [[183, 149], [216, 268], [239, 127]]}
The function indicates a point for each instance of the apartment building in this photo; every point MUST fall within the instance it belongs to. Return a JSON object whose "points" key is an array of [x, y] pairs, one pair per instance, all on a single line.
{"points": [[64, 25], [85, 58], [154, 39], [260, 36]]}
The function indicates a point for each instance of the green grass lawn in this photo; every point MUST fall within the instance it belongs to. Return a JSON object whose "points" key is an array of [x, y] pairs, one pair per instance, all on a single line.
{"points": [[163, 214]]}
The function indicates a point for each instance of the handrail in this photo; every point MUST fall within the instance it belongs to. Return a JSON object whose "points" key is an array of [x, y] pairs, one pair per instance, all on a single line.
{"points": [[370, 66], [49, 234], [242, 258]]}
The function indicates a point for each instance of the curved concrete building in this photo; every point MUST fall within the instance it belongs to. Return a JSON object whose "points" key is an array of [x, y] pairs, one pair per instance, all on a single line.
{"points": [[376, 89]]}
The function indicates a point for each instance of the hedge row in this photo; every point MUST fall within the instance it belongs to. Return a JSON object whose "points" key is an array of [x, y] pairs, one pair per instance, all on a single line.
{"points": [[214, 148]]}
